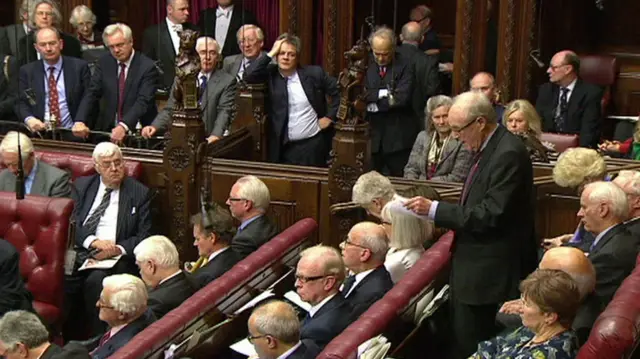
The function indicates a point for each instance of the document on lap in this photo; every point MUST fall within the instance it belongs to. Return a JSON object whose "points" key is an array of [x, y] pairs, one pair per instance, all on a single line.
{"points": [[91, 263]]}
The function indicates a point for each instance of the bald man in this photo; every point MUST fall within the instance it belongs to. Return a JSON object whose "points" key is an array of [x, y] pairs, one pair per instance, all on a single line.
{"points": [[485, 82], [567, 104]]}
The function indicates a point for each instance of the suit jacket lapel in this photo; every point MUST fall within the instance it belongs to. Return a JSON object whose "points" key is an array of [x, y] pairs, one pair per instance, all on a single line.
{"points": [[69, 80], [38, 181], [606, 238], [448, 149], [40, 78], [486, 154], [574, 100], [236, 64], [307, 85], [166, 41], [92, 191], [234, 23], [123, 208], [131, 74]]}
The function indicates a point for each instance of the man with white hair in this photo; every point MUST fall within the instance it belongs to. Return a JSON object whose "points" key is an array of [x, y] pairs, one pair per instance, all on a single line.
{"points": [[112, 217], [40, 178], [157, 259], [83, 20], [161, 42], [126, 82], [629, 182], [123, 306], [364, 252], [217, 95], [248, 202], [251, 40], [495, 244]]}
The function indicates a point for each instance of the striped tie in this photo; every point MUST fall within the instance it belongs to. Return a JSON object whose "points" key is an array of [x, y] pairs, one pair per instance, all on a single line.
{"points": [[92, 222]]}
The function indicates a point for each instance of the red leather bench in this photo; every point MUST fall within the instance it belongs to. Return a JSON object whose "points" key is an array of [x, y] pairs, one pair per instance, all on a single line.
{"points": [[616, 332], [224, 295], [38, 227], [80, 165], [376, 319]]}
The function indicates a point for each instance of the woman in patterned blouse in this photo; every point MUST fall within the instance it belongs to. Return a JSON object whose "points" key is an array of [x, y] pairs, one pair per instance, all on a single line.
{"points": [[551, 299]]}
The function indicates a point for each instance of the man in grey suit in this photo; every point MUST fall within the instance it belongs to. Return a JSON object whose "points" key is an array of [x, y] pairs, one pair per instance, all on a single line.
{"points": [[251, 40], [11, 35], [39, 178], [217, 94]]}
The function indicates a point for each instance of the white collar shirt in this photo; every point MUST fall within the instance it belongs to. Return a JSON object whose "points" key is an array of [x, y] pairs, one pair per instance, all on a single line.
{"points": [[286, 354], [173, 33], [216, 253], [313, 310], [359, 277], [223, 19], [107, 226], [303, 119], [570, 88]]}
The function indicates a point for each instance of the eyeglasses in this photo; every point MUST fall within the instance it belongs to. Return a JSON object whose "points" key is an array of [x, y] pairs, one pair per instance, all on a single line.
{"points": [[109, 164], [465, 126], [305, 279], [248, 41], [102, 304], [555, 68], [44, 13], [348, 242], [251, 338], [236, 199]]}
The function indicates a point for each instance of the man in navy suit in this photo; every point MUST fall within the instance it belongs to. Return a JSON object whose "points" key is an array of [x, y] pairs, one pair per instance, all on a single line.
{"points": [[112, 217], [319, 274], [53, 88], [223, 22], [125, 317], [364, 252], [301, 128], [126, 81]]}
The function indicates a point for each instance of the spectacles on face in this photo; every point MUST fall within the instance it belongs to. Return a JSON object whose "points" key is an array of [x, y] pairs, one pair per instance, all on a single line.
{"points": [[108, 164], [556, 67], [458, 130], [305, 279], [236, 199], [251, 338], [102, 304], [248, 41], [348, 242]]}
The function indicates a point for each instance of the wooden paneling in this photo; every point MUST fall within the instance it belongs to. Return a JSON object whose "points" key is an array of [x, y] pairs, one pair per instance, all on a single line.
{"points": [[133, 13], [626, 94], [297, 17]]}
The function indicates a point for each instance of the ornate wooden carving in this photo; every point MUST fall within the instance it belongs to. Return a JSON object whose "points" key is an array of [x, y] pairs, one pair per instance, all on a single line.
{"points": [[463, 45], [339, 33], [251, 114]]}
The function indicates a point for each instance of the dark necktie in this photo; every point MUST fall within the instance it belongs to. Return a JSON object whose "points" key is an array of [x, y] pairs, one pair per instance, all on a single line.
{"points": [[121, 83], [348, 283], [467, 182], [306, 319], [92, 223], [561, 111], [203, 86], [382, 71], [103, 340], [54, 106]]}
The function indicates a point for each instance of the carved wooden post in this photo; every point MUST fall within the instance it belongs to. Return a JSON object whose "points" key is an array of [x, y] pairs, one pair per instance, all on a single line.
{"points": [[250, 113]]}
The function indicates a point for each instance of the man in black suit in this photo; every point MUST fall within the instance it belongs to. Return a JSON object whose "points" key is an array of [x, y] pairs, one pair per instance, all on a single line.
{"points": [[248, 202], [363, 253], [157, 259], [425, 68], [222, 22], [319, 274], [567, 104], [112, 217], [52, 89], [494, 244], [23, 335], [213, 237], [45, 14], [162, 41], [126, 82], [13, 294], [424, 16], [485, 82], [274, 331], [8, 88], [10, 35], [389, 84], [125, 315], [300, 129]]}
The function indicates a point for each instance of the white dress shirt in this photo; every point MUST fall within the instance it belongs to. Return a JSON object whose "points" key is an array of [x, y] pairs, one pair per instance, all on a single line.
{"points": [[169, 277], [215, 254], [107, 225], [223, 19], [313, 310], [570, 87], [303, 119], [173, 33], [286, 354], [359, 277]]}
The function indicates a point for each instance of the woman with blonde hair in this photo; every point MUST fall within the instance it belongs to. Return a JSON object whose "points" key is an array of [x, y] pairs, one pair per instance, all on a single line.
{"points": [[521, 119]]}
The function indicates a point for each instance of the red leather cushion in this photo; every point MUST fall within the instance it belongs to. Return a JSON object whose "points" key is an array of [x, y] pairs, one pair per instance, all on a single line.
{"points": [[375, 320], [38, 228], [616, 332], [161, 333], [599, 69], [561, 141]]}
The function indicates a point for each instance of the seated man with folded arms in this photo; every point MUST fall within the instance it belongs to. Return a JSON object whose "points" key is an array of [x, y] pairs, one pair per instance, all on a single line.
{"points": [[364, 253], [23, 335], [319, 274], [274, 331], [248, 202], [123, 306], [217, 90], [40, 178], [169, 286], [213, 238]]}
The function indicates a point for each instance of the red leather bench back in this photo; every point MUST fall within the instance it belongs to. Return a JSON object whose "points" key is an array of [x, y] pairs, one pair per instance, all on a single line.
{"points": [[81, 165], [561, 141], [181, 322], [616, 332], [38, 227], [376, 319], [600, 70]]}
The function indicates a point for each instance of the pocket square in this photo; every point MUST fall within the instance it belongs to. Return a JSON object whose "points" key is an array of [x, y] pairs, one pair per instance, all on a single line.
{"points": [[133, 210]]}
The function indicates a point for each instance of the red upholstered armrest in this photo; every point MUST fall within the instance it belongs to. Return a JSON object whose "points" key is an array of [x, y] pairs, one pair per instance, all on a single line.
{"points": [[380, 314], [38, 227], [228, 289], [561, 141]]}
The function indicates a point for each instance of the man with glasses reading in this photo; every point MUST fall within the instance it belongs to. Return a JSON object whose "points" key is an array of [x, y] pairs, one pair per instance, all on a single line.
{"points": [[567, 104], [112, 217], [319, 274], [494, 245]]}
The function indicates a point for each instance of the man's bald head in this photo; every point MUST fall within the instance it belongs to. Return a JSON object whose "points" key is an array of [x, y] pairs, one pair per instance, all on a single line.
{"points": [[573, 262], [411, 33], [484, 82]]}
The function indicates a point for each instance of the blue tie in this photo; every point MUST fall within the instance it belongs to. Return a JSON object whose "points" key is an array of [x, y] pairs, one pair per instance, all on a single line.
{"points": [[203, 86]]}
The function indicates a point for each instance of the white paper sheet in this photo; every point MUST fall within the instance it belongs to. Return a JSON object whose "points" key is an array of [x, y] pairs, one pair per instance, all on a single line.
{"points": [[244, 347], [91, 263], [264, 295]]}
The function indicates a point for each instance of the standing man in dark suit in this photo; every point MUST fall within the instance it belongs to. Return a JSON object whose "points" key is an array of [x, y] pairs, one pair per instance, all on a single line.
{"points": [[251, 40], [485, 82], [300, 128], [159, 264], [213, 238], [222, 23], [217, 95], [11, 34], [45, 13], [424, 16], [274, 331], [112, 217], [52, 89], [567, 104], [248, 202], [389, 84], [13, 293], [319, 274], [425, 68], [126, 81], [8, 87], [494, 245], [364, 252], [162, 41]]}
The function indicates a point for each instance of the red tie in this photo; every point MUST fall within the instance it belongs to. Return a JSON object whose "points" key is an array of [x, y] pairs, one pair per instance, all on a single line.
{"points": [[382, 71], [54, 108], [103, 340], [121, 83]]}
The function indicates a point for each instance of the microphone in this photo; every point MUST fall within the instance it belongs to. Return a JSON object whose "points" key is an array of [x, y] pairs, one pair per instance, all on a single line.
{"points": [[535, 56], [20, 176]]}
